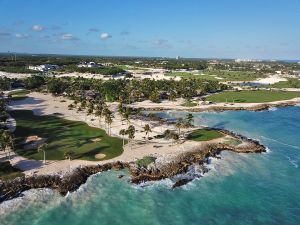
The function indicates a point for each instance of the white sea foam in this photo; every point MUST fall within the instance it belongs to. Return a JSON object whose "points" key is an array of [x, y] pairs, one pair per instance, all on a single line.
{"points": [[282, 143], [33, 196], [293, 162], [272, 109]]}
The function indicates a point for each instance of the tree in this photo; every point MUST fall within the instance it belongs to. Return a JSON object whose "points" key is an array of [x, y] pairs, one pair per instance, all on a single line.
{"points": [[130, 132], [155, 97], [179, 124], [189, 119], [108, 120], [69, 155], [43, 148], [174, 137], [147, 130], [123, 133], [7, 141]]}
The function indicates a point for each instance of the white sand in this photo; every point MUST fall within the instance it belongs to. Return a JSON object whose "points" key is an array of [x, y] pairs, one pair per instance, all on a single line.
{"points": [[270, 80]]}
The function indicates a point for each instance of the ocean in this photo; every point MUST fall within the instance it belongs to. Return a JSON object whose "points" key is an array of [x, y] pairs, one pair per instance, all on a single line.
{"points": [[238, 189]]}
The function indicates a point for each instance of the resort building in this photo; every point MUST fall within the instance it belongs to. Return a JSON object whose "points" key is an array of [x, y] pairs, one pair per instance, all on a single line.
{"points": [[44, 68], [89, 65]]}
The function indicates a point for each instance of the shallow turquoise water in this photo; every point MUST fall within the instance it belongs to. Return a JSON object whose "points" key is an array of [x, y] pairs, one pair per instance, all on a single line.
{"points": [[239, 189]]}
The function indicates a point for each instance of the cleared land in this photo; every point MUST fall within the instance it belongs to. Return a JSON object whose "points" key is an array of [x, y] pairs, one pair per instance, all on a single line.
{"points": [[204, 135], [63, 135], [253, 96]]}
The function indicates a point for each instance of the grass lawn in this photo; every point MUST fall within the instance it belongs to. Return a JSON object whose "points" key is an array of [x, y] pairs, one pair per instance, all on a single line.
{"points": [[234, 75], [291, 83], [179, 74], [19, 94], [204, 135], [189, 104], [63, 135], [253, 96], [7, 172]]}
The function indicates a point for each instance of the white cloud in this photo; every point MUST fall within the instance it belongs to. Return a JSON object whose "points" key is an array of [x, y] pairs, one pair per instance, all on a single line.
{"points": [[22, 36], [104, 36], [37, 28], [69, 37]]}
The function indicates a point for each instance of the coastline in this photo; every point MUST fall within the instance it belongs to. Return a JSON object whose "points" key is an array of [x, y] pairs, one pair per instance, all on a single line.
{"points": [[218, 107], [178, 164], [177, 160]]}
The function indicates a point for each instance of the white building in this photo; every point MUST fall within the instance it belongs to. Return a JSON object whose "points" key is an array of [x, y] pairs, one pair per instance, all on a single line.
{"points": [[88, 65], [44, 68]]}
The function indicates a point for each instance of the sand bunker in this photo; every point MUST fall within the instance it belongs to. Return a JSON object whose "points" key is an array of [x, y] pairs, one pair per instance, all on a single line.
{"points": [[33, 142], [100, 156], [96, 139]]}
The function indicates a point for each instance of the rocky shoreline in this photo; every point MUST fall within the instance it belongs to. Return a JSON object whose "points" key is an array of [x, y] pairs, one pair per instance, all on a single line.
{"points": [[179, 165], [260, 107]]}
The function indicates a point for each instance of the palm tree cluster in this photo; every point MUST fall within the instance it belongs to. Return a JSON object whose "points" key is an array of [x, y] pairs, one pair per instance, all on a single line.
{"points": [[96, 107], [130, 131], [184, 122], [130, 91]]}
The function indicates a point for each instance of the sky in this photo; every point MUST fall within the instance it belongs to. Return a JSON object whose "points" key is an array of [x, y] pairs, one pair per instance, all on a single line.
{"points": [[248, 29]]}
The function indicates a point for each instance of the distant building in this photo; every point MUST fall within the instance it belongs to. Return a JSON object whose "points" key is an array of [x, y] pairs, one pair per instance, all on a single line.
{"points": [[88, 65], [177, 57], [296, 73], [44, 68]]}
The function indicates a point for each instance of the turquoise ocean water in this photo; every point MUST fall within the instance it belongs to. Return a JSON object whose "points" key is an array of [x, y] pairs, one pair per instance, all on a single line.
{"points": [[239, 189]]}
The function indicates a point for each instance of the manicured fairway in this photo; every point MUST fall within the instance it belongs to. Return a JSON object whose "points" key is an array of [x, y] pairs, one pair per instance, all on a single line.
{"points": [[63, 135], [204, 135], [252, 96]]}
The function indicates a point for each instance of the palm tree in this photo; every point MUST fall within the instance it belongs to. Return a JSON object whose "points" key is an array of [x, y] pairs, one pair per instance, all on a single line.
{"points": [[147, 130], [130, 131], [98, 113], [108, 120], [174, 137], [7, 141], [43, 148], [123, 133], [179, 124], [69, 155], [189, 119]]}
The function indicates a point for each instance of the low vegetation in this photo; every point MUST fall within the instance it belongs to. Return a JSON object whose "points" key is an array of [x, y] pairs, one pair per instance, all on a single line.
{"points": [[259, 96], [145, 161]]}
